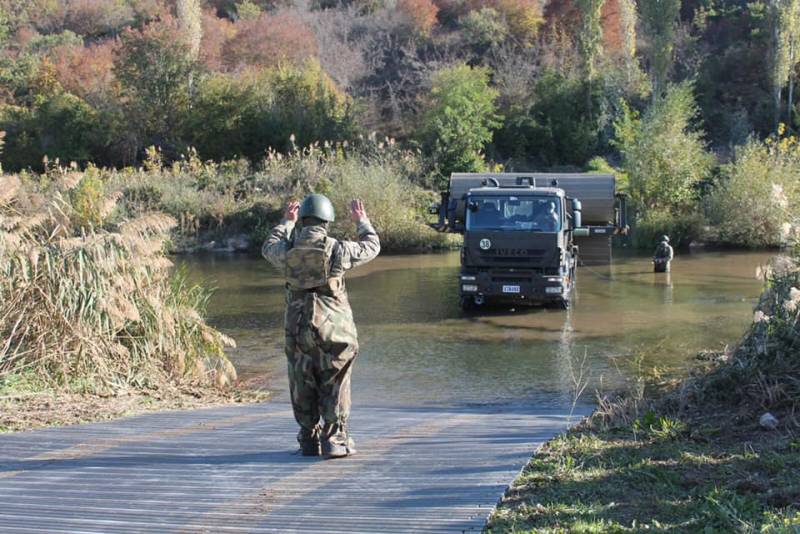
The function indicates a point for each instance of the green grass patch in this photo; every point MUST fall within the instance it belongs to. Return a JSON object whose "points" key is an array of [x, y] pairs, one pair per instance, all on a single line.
{"points": [[635, 480]]}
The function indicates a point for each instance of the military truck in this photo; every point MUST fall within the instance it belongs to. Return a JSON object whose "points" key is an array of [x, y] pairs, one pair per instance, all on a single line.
{"points": [[523, 232]]}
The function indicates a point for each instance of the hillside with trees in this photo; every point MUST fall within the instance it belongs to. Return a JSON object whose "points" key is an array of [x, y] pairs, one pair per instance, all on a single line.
{"points": [[660, 90]]}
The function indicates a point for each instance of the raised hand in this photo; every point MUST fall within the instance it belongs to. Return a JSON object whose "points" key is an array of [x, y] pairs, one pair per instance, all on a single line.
{"points": [[357, 211], [292, 208]]}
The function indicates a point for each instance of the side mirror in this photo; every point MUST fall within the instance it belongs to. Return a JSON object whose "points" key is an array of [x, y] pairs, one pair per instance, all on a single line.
{"points": [[576, 213]]}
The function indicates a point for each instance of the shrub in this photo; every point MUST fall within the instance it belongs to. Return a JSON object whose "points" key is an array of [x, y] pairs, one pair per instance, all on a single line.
{"points": [[458, 119], [561, 127], [60, 126], [97, 17], [663, 154], [258, 110], [682, 229], [758, 193], [484, 28], [524, 17], [95, 307], [227, 118], [309, 106], [210, 200]]}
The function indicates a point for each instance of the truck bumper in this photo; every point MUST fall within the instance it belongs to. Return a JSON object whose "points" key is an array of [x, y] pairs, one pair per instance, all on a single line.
{"points": [[532, 288]]}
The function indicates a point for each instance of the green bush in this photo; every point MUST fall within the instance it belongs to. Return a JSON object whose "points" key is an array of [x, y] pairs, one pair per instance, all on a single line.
{"points": [[663, 155], [458, 119], [682, 229], [758, 193], [279, 108], [561, 127]]}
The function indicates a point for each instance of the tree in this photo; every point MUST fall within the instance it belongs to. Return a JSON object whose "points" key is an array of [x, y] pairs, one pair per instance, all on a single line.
{"points": [[458, 119], [154, 71], [190, 22], [662, 152], [590, 37], [419, 15], [269, 40], [785, 22], [659, 18], [627, 34]]}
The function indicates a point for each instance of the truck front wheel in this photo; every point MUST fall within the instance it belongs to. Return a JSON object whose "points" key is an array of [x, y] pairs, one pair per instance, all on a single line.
{"points": [[470, 303]]}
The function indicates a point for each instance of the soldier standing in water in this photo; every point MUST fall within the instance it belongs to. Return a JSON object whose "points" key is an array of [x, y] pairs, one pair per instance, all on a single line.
{"points": [[321, 339], [663, 256]]}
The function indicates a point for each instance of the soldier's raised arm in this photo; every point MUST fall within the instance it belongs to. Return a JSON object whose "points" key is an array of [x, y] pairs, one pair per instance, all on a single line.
{"points": [[368, 246], [278, 242]]}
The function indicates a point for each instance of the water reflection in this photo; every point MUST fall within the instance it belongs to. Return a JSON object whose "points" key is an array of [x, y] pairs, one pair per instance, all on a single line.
{"points": [[418, 347]]}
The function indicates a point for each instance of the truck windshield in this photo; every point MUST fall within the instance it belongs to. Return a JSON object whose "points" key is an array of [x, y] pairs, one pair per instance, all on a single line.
{"points": [[537, 214]]}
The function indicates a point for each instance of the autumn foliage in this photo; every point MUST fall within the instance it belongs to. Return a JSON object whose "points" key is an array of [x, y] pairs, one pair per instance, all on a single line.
{"points": [[419, 15], [267, 41], [85, 71]]}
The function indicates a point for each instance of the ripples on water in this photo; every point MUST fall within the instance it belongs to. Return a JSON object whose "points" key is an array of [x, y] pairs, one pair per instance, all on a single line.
{"points": [[417, 346]]}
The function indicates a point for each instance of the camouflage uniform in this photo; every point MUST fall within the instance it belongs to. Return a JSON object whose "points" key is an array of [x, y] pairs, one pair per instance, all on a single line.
{"points": [[662, 257], [321, 340]]}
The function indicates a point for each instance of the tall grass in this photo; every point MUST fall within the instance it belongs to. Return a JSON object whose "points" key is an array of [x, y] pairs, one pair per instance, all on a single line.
{"points": [[88, 301], [214, 200]]}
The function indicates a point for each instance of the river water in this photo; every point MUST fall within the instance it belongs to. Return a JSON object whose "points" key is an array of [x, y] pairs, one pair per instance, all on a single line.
{"points": [[418, 347]]}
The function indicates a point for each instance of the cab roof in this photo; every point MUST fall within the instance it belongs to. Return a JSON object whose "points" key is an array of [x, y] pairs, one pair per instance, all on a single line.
{"points": [[526, 190]]}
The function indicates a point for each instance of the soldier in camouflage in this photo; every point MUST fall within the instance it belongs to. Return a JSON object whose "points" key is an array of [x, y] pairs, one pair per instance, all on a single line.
{"points": [[663, 255], [321, 340]]}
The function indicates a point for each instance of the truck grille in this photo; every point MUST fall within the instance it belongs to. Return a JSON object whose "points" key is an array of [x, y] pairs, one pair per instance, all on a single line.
{"points": [[514, 253], [505, 279]]}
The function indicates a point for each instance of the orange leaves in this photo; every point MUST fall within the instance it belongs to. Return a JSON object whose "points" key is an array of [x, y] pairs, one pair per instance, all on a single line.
{"points": [[216, 30], [85, 71], [420, 15], [267, 41]]}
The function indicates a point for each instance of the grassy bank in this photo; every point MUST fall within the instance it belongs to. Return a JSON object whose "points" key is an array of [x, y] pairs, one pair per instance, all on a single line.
{"points": [[695, 455], [232, 205]]}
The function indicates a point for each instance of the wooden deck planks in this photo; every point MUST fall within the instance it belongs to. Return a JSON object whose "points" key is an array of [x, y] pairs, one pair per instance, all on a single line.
{"points": [[234, 469]]}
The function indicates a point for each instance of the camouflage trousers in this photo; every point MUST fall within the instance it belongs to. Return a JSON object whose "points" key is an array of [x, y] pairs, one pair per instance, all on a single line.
{"points": [[319, 381]]}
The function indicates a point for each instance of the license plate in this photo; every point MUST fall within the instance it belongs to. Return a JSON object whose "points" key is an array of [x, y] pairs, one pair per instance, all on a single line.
{"points": [[510, 289]]}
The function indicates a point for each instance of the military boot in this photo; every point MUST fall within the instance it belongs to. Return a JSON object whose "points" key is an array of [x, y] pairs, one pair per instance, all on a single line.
{"points": [[309, 442], [338, 446]]}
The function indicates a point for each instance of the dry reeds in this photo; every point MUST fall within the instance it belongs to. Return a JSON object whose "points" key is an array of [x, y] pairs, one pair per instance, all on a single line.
{"points": [[96, 307]]}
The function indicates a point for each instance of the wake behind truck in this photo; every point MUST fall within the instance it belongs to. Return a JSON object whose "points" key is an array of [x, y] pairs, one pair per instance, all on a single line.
{"points": [[523, 232]]}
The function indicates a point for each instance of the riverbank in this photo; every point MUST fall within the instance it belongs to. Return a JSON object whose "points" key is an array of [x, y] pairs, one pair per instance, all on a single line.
{"points": [[660, 474], [718, 451]]}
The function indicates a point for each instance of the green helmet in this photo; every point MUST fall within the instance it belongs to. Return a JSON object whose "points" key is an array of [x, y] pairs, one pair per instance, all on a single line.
{"points": [[318, 206]]}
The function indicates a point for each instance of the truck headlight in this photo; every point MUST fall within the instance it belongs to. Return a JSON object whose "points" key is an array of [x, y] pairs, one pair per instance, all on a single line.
{"points": [[553, 279], [553, 290], [469, 278], [469, 288]]}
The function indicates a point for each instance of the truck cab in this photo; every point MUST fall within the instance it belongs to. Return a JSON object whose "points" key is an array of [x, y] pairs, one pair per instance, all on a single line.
{"points": [[520, 236], [517, 247]]}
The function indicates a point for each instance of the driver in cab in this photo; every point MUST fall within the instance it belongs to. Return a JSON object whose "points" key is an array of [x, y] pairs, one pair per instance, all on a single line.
{"points": [[547, 218]]}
